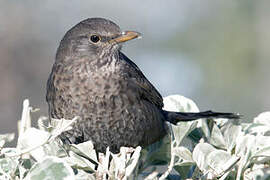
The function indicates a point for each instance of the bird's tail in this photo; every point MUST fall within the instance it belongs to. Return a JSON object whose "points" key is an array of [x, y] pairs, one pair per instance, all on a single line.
{"points": [[175, 117]]}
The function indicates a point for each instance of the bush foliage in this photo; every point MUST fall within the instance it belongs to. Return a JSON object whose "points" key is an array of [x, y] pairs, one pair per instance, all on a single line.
{"points": [[202, 149]]}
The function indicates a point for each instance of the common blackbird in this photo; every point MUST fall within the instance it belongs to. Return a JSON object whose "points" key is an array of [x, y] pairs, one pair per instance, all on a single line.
{"points": [[93, 79]]}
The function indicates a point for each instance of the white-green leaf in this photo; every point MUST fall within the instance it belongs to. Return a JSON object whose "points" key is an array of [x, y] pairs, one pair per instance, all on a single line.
{"points": [[263, 118], [86, 149], [8, 166], [51, 168], [79, 162], [200, 155], [182, 130], [179, 103], [184, 155], [6, 138], [260, 172], [35, 142], [216, 137], [231, 133], [220, 162]]}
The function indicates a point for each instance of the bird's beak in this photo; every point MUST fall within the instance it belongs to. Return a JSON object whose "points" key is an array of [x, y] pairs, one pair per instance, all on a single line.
{"points": [[126, 36]]}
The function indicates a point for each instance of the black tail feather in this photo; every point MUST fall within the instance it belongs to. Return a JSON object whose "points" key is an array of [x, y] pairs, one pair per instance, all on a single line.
{"points": [[175, 117]]}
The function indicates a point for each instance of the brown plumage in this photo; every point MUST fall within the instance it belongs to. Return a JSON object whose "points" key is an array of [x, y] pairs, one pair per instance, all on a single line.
{"points": [[93, 79]]}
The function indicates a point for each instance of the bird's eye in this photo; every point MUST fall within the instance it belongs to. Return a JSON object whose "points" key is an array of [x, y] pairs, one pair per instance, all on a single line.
{"points": [[95, 38]]}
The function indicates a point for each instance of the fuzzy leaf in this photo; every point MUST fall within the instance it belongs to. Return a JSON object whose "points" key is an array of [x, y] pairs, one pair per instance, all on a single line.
{"points": [[51, 168]]}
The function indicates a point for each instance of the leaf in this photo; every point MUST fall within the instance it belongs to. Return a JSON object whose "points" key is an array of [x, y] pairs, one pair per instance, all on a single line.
{"points": [[261, 156], [260, 151], [243, 147], [85, 149], [52, 168], [25, 121], [260, 172], [200, 155], [6, 138], [179, 103], [263, 118], [8, 165], [43, 123], [184, 162], [185, 156], [158, 153], [258, 129], [214, 163], [36, 141], [133, 162], [76, 161], [220, 162], [231, 133], [216, 137], [182, 130]]}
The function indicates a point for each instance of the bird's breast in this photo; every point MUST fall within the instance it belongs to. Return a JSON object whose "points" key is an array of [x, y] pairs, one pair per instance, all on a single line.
{"points": [[86, 89]]}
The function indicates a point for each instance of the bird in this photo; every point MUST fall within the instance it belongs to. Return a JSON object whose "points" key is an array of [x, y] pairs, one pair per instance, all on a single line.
{"points": [[118, 106]]}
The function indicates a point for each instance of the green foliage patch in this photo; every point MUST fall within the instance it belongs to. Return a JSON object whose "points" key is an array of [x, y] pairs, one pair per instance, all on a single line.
{"points": [[201, 149]]}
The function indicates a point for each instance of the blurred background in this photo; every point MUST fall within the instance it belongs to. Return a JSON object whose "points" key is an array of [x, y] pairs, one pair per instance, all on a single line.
{"points": [[214, 52]]}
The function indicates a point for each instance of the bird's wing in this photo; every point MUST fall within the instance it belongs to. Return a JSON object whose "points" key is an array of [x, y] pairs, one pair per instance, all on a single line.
{"points": [[137, 80]]}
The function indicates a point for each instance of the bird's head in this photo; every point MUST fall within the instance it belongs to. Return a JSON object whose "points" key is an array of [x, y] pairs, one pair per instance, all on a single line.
{"points": [[94, 38]]}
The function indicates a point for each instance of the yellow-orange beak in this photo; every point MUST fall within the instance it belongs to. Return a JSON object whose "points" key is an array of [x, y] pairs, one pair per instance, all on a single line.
{"points": [[126, 36]]}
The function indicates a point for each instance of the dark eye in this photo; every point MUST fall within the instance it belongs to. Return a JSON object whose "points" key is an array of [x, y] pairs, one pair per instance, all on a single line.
{"points": [[95, 38]]}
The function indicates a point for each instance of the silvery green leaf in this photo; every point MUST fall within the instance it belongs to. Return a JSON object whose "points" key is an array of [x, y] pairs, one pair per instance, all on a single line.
{"points": [[221, 162], [231, 133], [184, 155], [9, 162], [6, 138], [52, 168], [216, 160], [9, 152], [152, 176], [260, 150], [213, 162], [82, 156], [179, 103], [79, 162], [185, 171], [213, 134], [133, 162], [244, 144], [260, 172], [260, 125], [258, 129], [8, 165], [60, 125], [43, 123], [262, 155], [25, 121], [36, 141], [32, 138], [182, 129], [24, 166], [183, 162], [157, 153], [85, 149], [222, 121], [261, 142], [200, 155], [216, 137], [263, 118]]}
